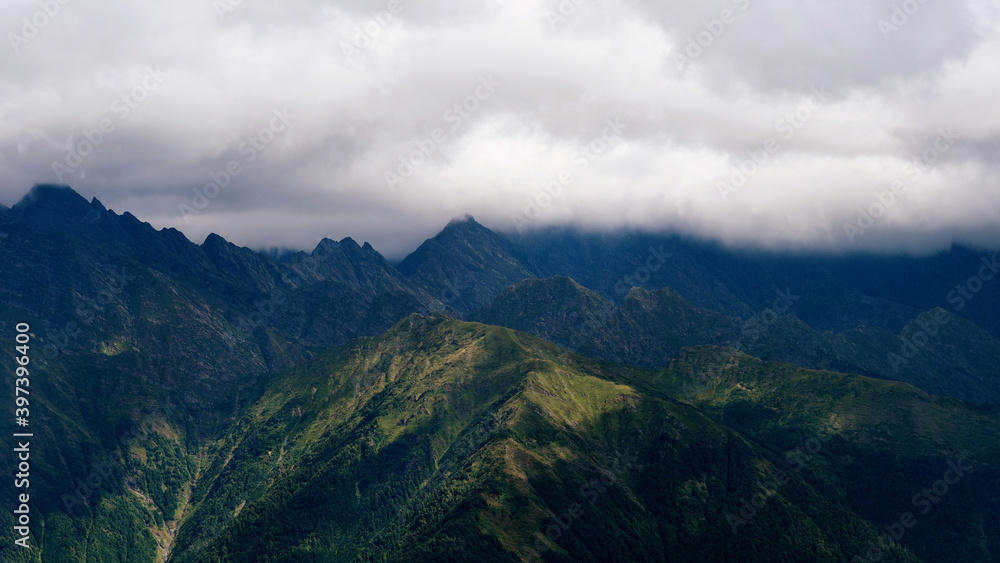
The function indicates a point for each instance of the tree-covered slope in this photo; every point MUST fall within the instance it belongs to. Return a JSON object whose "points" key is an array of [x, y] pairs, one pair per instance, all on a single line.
{"points": [[896, 449], [451, 440], [183, 405], [938, 351]]}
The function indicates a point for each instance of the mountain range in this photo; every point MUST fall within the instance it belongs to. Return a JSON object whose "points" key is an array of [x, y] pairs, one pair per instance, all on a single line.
{"points": [[553, 395]]}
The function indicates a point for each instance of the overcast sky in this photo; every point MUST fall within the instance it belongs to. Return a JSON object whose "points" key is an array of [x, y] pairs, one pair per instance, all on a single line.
{"points": [[749, 122]]}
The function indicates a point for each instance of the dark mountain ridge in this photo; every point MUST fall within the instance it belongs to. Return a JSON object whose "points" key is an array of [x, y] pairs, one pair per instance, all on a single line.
{"points": [[310, 301], [464, 267], [225, 384]]}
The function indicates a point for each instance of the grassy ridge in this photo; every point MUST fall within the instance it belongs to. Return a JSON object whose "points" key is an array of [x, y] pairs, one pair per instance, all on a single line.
{"points": [[450, 440], [444, 439]]}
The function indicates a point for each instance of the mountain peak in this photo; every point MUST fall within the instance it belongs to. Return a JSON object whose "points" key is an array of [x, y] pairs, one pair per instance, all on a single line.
{"points": [[53, 196], [466, 223], [214, 240], [466, 265], [463, 219], [465, 228]]}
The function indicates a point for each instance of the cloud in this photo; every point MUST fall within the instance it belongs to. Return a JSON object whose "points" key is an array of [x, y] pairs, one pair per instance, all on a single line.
{"points": [[776, 46], [398, 88]]}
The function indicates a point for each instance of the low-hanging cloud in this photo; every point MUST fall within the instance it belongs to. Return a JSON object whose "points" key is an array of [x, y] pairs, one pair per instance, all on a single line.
{"points": [[744, 121]]}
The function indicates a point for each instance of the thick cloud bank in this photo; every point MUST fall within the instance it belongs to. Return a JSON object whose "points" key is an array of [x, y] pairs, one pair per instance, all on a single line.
{"points": [[826, 124]]}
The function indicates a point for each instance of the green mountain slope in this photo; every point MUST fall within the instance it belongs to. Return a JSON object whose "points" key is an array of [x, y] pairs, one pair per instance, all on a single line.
{"points": [[184, 408], [144, 345], [451, 440], [895, 443], [938, 351], [646, 330]]}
